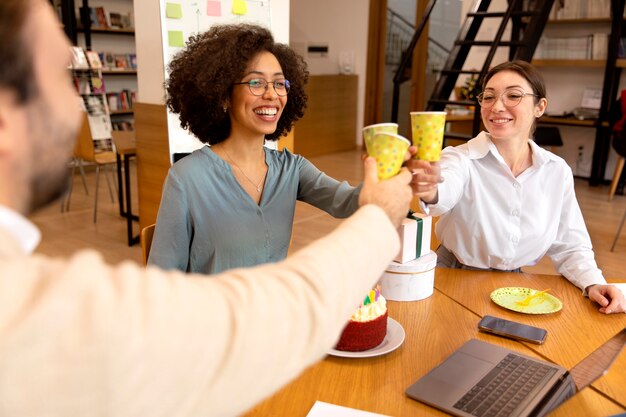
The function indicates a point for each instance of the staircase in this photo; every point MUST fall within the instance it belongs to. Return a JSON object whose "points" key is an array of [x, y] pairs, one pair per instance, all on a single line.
{"points": [[527, 19]]}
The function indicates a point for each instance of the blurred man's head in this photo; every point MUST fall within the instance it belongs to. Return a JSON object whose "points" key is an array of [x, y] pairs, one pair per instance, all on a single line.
{"points": [[39, 109]]}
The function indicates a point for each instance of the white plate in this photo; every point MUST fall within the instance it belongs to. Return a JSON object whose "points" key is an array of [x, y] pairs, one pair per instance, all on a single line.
{"points": [[393, 340]]}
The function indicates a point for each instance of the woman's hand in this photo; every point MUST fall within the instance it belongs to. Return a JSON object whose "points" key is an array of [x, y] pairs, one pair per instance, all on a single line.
{"points": [[426, 178], [609, 297]]}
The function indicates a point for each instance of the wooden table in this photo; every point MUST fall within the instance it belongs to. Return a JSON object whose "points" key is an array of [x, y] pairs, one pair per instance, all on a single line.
{"points": [[125, 149], [438, 325]]}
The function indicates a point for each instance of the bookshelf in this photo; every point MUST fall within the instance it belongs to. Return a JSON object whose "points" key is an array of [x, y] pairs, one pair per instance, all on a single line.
{"points": [[580, 52], [106, 26]]}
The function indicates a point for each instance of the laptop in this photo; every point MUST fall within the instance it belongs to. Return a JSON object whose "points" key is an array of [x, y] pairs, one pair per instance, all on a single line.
{"points": [[472, 381]]}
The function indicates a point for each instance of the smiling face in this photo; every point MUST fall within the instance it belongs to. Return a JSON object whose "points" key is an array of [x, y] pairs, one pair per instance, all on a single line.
{"points": [[252, 115], [516, 122]]}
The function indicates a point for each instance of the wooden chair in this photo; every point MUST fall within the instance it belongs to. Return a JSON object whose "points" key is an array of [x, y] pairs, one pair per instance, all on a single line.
{"points": [[85, 150], [74, 163], [145, 239]]}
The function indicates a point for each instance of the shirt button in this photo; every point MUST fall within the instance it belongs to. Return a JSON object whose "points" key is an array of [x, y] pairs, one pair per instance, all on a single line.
{"points": [[516, 185], [515, 213], [514, 239]]}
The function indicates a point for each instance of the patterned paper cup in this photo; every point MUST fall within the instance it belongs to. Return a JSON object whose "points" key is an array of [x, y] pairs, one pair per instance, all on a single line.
{"points": [[427, 128], [371, 130], [388, 149]]}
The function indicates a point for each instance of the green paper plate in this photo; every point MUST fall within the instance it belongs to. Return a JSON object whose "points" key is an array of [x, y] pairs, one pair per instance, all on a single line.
{"points": [[542, 304]]}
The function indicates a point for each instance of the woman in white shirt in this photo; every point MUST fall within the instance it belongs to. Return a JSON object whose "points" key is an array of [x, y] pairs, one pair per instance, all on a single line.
{"points": [[503, 201]]}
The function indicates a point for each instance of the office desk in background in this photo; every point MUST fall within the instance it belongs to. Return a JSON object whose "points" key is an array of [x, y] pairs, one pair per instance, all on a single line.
{"points": [[437, 326]]}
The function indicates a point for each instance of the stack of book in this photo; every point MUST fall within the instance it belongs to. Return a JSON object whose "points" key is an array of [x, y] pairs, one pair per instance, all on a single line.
{"points": [[101, 19], [594, 46], [122, 100], [118, 62]]}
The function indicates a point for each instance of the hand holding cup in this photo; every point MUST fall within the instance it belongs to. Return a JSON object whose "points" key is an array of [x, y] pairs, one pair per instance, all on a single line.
{"points": [[428, 128]]}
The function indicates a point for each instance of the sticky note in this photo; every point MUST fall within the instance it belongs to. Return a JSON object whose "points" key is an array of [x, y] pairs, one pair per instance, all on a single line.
{"points": [[213, 8], [175, 38], [173, 11], [240, 7]]}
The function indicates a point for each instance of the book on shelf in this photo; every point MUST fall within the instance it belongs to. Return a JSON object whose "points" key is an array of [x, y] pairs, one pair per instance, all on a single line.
{"points": [[116, 20], [122, 100], [132, 61], [81, 83], [98, 116], [594, 47], [97, 83], [128, 21], [79, 59], [94, 60], [103, 17], [109, 60], [121, 62], [599, 45]]}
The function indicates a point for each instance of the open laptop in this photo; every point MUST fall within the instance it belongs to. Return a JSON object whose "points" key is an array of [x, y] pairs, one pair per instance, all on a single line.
{"points": [[470, 382]]}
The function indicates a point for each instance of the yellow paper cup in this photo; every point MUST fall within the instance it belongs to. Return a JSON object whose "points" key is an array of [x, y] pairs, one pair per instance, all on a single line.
{"points": [[371, 130], [388, 149], [428, 128]]}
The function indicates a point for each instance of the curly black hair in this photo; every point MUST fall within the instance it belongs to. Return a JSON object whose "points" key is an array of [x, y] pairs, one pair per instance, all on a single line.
{"points": [[201, 79]]}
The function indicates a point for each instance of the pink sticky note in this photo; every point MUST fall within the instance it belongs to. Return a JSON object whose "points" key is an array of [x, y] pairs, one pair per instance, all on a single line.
{"points": [[213, 8]]}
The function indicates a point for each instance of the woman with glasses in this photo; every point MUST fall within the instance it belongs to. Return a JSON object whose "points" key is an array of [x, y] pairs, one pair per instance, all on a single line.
{"points": [[503, 201], [231, 204]]}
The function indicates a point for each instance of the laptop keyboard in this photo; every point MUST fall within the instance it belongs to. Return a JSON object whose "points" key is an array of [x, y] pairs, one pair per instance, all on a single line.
{"points": [[503, 389]]}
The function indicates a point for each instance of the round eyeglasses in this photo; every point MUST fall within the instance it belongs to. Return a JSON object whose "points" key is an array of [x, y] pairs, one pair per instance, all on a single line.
{"points": [[258, 86], [510, 98]]}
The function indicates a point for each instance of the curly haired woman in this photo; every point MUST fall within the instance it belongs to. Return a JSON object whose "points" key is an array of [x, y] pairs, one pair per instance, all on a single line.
{"points": [[232, 204]]}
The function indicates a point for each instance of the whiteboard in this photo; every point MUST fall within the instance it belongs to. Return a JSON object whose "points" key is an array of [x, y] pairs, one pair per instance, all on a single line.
{"points": [[181, 19]]}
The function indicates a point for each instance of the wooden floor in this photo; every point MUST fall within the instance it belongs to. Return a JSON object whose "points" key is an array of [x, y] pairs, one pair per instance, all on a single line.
{"points": [[64, 233]]}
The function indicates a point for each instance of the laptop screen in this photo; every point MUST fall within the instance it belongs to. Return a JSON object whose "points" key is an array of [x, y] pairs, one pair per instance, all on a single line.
{"points": [[598, 362]]}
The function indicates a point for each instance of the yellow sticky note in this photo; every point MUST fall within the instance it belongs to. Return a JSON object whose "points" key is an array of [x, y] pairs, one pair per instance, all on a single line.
{"points": [[240, 7], [175, 38], [173, 10]]}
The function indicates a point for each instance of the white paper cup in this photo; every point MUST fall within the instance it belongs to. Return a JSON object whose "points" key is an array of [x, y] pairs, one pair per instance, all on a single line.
{"points": [[410, 281]]}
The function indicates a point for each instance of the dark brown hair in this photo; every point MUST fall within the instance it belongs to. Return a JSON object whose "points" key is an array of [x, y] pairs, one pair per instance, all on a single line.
{"points": [[201, 79], [16, 60], [524, 69]]}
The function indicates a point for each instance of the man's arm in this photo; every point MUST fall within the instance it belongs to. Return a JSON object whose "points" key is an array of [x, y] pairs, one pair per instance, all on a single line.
{"points": [[80, 335]]}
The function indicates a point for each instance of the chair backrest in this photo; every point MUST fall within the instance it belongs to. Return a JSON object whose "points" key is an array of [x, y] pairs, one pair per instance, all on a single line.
{"points": [[84, 145], [145, 239]]}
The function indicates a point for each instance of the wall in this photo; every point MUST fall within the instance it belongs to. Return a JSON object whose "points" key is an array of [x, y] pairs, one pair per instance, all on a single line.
{"points": [[342, 26], [150, 73]]}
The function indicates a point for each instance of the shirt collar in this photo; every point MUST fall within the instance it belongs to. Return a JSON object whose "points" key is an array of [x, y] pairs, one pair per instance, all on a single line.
{"points": [[481, 145], [23, 230]]}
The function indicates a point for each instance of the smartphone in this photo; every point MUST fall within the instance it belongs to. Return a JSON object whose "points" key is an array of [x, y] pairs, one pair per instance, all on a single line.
{"points": [[512, 330]]}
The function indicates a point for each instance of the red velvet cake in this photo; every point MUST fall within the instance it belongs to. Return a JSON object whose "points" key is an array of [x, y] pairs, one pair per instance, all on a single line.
{"points": [[367, 327]]}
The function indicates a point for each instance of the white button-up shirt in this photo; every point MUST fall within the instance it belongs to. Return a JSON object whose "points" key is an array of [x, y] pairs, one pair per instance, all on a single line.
{"points": [[491, 219], [25, 233]]}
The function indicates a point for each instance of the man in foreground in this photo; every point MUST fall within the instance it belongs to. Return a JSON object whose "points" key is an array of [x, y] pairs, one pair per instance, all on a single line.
{"points": [[80, 337]]}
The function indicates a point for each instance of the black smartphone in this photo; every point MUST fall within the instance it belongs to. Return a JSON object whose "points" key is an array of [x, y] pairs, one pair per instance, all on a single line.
{"points": [[512, 330]]}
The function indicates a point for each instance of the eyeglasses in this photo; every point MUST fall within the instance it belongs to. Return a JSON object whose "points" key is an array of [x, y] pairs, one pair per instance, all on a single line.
{"points": [[510, 98], [258, 86]]}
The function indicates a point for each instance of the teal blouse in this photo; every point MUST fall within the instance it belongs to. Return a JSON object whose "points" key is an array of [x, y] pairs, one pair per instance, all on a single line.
{"points": [[207, 223]]}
